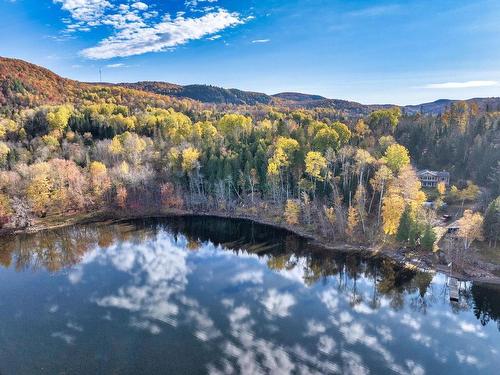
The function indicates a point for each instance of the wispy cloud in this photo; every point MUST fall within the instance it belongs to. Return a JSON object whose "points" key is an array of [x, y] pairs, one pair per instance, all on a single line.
{"points": [[85, 10], [137, 29], [261, 41], [459, 85], [115, 66], [375, 11]]}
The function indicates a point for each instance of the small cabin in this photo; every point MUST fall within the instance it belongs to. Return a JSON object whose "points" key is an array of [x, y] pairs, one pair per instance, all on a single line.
{"points": [[453, 227], [430, 178]]}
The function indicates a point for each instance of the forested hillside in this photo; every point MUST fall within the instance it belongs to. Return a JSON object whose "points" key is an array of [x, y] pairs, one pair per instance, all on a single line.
{"points": [[218, 95], [67, 147], [204, 93]]}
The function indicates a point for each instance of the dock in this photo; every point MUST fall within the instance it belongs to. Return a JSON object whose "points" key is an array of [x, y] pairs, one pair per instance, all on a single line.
{"points": [[453, 285]]}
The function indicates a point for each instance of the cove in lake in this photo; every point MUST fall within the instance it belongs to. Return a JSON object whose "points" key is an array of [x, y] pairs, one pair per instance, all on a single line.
{"points": [[205, 295]]}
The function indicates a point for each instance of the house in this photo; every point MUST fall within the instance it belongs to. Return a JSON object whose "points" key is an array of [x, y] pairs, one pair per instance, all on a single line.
{"points": [[432, 178]]}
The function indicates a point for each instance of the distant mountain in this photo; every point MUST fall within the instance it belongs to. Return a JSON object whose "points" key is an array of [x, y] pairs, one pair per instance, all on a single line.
{"points": [[218, 95], [23, 85], [298, 97], [439, 106], [203, 93]]}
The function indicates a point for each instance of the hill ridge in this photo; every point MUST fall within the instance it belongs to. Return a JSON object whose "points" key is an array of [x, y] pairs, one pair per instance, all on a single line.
{"points": [[26, 84]]}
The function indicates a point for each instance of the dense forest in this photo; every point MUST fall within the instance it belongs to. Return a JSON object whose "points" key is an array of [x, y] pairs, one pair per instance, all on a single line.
{"points": [[68, 147]]}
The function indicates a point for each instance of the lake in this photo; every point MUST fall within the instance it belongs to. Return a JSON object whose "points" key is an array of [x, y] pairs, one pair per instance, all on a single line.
{"points": [[201, 295]]}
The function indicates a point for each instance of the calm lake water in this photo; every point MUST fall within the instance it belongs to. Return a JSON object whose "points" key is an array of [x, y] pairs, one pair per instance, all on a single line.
{"points": [[205, 295]]}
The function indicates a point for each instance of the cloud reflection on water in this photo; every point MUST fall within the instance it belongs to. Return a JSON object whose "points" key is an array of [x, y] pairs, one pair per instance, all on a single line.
{"points": [[268, 312]]}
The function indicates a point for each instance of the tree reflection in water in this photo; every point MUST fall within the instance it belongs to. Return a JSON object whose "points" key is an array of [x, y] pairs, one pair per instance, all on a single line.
{"points": [[59, 249]]}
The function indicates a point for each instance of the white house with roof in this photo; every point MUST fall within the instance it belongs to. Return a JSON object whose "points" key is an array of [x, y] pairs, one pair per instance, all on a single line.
{"points": [[430, 178]]}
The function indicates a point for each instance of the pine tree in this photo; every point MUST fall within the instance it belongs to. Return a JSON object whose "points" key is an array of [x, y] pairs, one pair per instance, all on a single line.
{"points": [[491, 224], [405, 226], [428, 238]]}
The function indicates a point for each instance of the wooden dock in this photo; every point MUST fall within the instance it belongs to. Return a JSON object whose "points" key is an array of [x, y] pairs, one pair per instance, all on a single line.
{"points": [[453, 285]]}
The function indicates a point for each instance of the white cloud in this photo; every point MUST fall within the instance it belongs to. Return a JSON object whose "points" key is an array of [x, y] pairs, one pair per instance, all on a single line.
{"points": [[278, 304], [68, 339], [75, 276], [138, 30], [466, 358], [345, 317], [326, 345], [145, 325], [459, 85], [85, 10], [252, 277], [135, 38], [159, 273], [410, 322], [363, 308], [385, 333], [422, 339], [195, 3], [261, 41], [314, 328], [140, 6], [330, 299]]}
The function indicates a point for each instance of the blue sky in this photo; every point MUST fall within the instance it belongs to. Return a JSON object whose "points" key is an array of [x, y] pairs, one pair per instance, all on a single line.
{"points": [[401, 52]]}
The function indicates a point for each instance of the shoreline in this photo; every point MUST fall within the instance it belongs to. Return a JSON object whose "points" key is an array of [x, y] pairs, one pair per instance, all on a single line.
{"points": [[422, 262]]}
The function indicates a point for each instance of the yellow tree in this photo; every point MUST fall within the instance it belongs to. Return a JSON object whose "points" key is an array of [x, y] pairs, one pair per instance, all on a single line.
{"points": [[281, 159], [352, 220], [5, 209], [397, 157], [363, 159], [361, 130], [325, 139], [116, 146], [190, 165], [315, 165], [99, 179], [39, 192], [385, 120], [176, 126], [68, 185], [234, 125], [379, 182], [129, 145], [470, 227], [441, 188], [292, 212], [58, 118], [121, 197], [51, 141], [409, 186], [4, 151], [392, 208], [343, 132], [360, 205], [190, 158]]}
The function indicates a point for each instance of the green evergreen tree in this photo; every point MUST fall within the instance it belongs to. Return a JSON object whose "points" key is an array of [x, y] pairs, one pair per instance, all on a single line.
{"points": [[428, 238], [405, 226], [491, 224]]}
